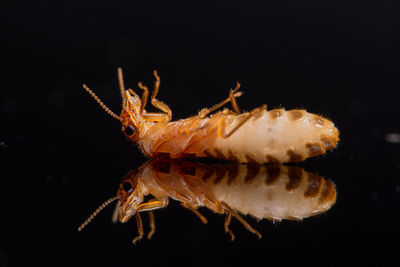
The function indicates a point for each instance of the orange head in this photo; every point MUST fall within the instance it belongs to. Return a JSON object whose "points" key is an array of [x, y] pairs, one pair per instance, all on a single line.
{"points": [[131, 118], [130, 196], [132, 109]]}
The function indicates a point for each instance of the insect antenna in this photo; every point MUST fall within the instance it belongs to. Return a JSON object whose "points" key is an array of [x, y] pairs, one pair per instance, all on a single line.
{"points": [[97, 211], [101, 103], [121, 82]]}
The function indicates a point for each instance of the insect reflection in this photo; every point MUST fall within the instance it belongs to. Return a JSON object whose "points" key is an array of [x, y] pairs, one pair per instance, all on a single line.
{"points": [[272, 192]]}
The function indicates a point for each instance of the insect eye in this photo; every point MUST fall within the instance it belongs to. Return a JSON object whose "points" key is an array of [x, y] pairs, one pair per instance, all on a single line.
{"points": [[129, 130], [127, 186]]}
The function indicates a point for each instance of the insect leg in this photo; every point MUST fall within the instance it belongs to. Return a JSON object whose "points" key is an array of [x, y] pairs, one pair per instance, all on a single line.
{"points": [[152, 225], [240, 219], [226, 225], [195, 211], [157, 103], [153, 204], [232, 98], [155, 117], [221, 124], [148, 206], [140, 228], [145, 96], [218, 207]]}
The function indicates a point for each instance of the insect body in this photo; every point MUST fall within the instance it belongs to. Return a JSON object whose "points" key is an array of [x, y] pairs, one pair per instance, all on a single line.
{"points": [[271, 191], [259, 136]]}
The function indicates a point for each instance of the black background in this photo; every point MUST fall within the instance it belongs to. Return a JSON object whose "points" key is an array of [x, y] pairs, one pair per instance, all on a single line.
{"points": [[63, 156]]}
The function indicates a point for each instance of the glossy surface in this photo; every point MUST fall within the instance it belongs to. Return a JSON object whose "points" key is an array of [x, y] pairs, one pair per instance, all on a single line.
{"points": [[265, 192], [62, 156]]}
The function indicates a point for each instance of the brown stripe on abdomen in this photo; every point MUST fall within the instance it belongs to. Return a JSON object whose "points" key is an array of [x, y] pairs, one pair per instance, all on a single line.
{"points": [[272, 159], [219, 155], [276, 113], [294, 156], [208, 154], [220, 173], [233, 173], [273, 172], [313, 186], [252, 171], [315, 149], [209, 171], [296, 114], [328, 192], [232, 157], [295, 175], [329, 142], [251, 160]]}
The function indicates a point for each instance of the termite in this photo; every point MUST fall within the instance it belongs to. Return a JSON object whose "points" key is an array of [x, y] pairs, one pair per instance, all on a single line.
{"points": [[259, 136], [270, 192]]}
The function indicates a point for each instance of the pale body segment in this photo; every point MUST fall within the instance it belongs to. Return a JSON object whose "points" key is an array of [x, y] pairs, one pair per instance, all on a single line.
{"points": [[259, 136], [276, 136], [270, 192]]}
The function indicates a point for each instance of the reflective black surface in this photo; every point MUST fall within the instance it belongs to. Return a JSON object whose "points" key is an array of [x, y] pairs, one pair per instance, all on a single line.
{"points": [[62, 155]]}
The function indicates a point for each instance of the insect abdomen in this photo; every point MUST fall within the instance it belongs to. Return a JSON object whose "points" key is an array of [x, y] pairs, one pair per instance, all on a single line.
{"points": [[273, 192], [276, 136]]}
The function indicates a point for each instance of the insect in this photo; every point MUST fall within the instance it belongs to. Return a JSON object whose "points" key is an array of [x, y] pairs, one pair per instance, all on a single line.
{"points": [[273, 192], [259, 136]]}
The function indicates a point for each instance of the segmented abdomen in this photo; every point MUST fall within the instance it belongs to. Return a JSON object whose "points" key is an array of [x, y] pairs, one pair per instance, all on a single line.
{"points": [[271, 191], [275, 136]]}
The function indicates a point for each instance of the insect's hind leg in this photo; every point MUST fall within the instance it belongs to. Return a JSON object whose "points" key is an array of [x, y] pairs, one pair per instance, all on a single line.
{"points": [[221, 122], [233, 94], [195, 211], [226, 225], [229, 213]]}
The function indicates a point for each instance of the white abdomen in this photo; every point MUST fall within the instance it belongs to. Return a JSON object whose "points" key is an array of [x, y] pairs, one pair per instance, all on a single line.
{"points": [[276, 136]]}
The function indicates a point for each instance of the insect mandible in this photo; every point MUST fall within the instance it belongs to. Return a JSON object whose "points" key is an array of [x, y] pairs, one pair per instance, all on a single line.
{"points": [[258, 136]]}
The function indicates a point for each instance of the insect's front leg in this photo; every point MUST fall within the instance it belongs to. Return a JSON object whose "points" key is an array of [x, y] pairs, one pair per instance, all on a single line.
{"points": [[156, 103], [151, 205], [150, 116], [233, 94], [152, 225], [140, 228], [156, 117]]}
